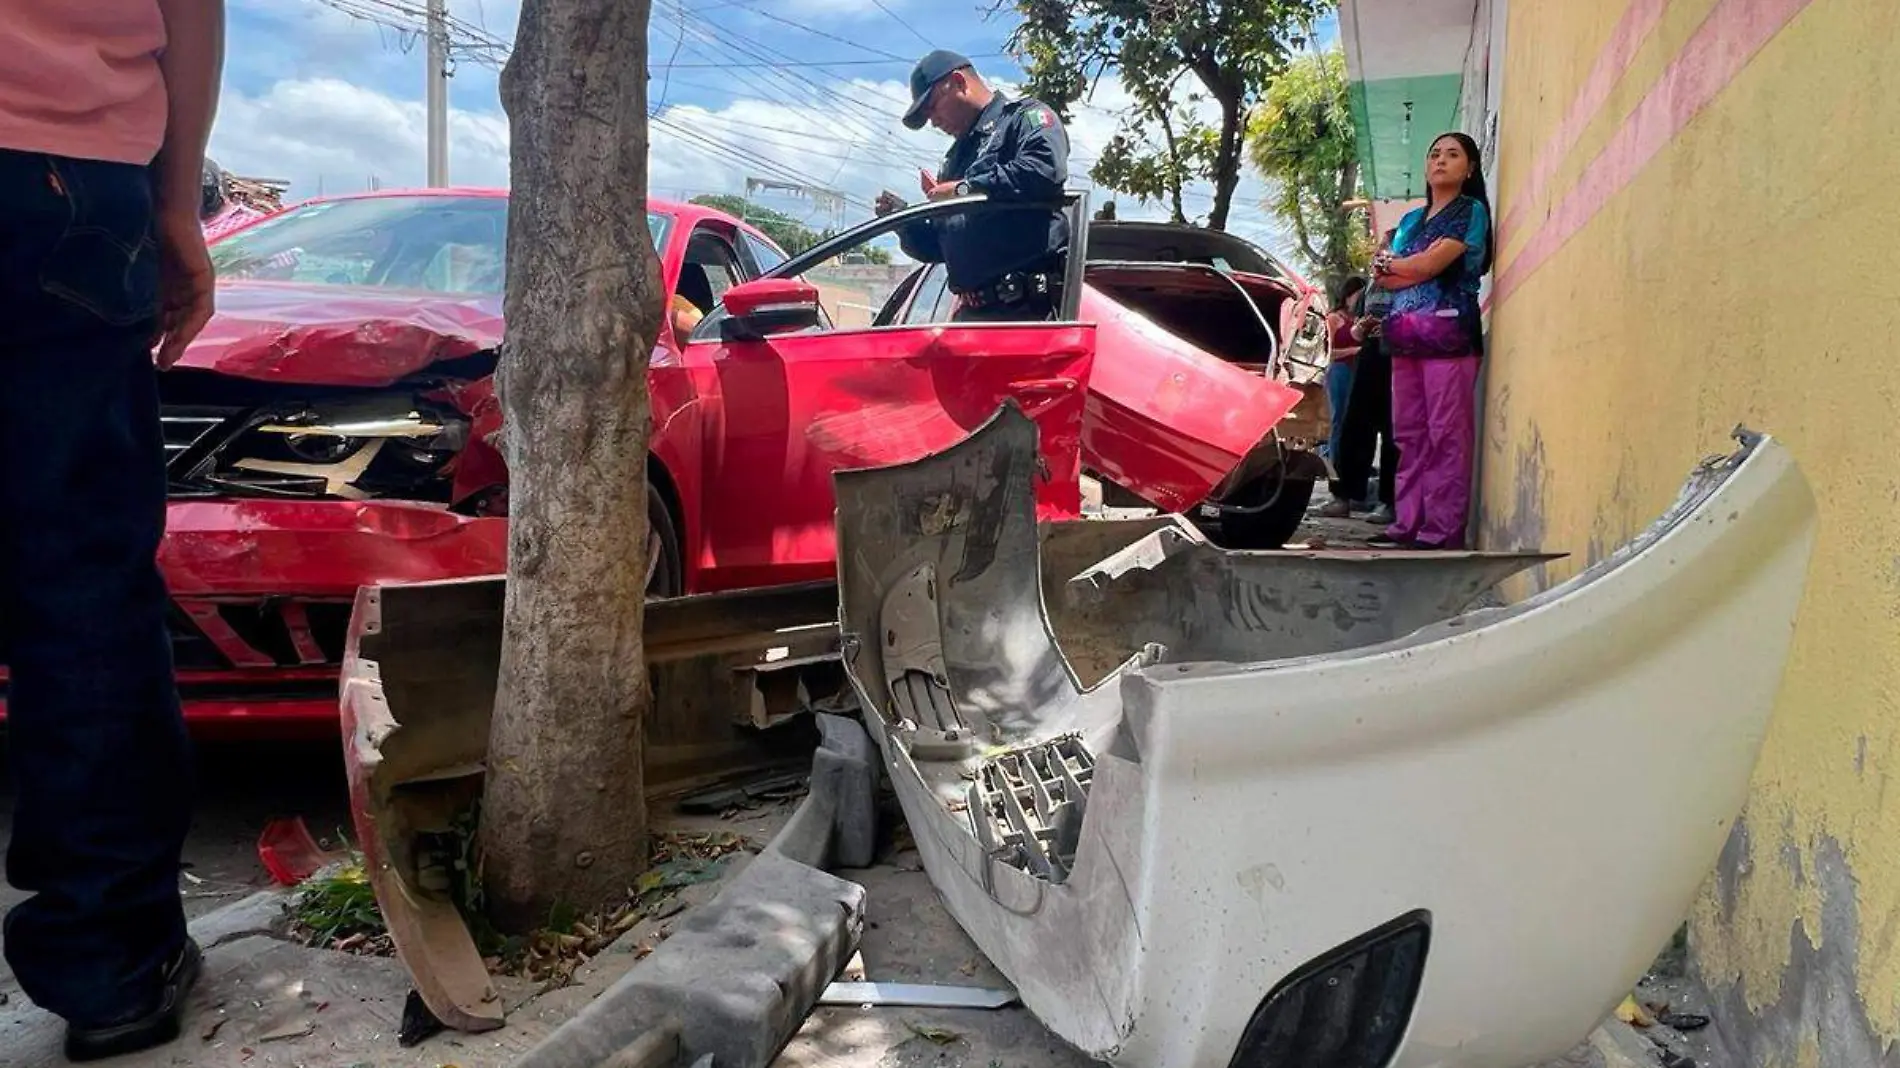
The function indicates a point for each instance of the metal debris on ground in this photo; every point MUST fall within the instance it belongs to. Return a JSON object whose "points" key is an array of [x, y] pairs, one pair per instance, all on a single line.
{"points": [[916, 995]]}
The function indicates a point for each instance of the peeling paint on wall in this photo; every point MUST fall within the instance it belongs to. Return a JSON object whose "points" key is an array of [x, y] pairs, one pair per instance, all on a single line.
{"points": [[1817, 1017], [1653, 327], [1522, 525]]}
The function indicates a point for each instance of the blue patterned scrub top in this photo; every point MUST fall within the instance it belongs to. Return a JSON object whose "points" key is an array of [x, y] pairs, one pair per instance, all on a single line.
{"points": [[1464, 219]]}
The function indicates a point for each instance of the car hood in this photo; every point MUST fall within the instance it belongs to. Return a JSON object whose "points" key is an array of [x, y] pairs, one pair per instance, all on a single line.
{"points": [[310, 334]]}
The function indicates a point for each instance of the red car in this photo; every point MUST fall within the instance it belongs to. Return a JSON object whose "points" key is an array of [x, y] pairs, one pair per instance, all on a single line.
{"points": [[332, 427]]}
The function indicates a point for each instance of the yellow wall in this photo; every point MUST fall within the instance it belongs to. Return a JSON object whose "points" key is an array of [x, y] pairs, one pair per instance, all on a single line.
{"points": [[1744, 275]]}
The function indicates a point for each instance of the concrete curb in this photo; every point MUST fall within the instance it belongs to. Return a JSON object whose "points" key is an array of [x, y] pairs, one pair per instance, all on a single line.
{"points": [[252, 915], [743, 971]]}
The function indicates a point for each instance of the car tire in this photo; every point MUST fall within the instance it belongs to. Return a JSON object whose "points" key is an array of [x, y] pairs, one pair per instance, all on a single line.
{"points": [[666, 571], [1273, 526]]}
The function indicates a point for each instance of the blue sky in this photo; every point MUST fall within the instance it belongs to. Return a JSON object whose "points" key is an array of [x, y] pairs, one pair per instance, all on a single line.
{"points": [[334, 103]]}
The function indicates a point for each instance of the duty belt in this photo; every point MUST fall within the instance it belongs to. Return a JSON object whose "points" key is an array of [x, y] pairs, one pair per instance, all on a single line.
{"points": [[1017, 287]]}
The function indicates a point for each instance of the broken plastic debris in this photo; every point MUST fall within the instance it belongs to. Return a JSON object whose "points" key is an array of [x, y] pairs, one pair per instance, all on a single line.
{"points": [[418, 1023], [289, 853]]}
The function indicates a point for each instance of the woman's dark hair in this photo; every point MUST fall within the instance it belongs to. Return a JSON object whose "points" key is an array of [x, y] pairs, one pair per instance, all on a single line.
{"points": [[1473, 188], [1348, 289], [212, 193]]}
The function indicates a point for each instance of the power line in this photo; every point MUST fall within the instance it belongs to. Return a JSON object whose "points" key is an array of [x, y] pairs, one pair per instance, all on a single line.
{"points": [[900, 21], [879, 114], [810, 63], [730, 43], [829, 36]]}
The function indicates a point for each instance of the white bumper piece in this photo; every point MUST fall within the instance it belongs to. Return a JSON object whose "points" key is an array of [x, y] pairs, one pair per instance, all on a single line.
{"points": [[1452, 844]]}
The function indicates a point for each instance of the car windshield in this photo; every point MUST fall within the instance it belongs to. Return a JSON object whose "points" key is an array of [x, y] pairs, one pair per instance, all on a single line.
{"points": [[443, 244]]}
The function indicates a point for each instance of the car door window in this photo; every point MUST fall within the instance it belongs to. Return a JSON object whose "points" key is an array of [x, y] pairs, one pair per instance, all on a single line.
{"points": [[933, 301], [764, 256], [712, 266], [860, 289]]}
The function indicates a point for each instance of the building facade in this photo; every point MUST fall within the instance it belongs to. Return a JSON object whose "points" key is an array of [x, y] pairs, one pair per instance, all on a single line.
{"points": [[1695, 201]]}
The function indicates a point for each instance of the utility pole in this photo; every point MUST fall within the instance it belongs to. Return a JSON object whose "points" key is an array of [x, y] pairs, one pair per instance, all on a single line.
{"points": [[438, 92]]}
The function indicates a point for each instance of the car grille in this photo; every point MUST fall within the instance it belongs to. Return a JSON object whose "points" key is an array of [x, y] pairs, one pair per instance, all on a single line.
{"points": [[191, 434], [276, 632]]}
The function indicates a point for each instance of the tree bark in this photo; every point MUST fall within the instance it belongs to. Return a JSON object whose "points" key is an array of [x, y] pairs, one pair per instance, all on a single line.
{"points": [[563, 814], [1227, 161], [1174, 168]]}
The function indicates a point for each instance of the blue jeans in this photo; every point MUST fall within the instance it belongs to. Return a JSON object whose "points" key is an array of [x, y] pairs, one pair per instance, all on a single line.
{"points": [[1338, 391], [100, 758]]}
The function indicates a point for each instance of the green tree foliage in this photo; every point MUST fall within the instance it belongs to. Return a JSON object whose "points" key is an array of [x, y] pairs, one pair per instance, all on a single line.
{"points": [[1233, 50], [788, 233], [1302, 142]]}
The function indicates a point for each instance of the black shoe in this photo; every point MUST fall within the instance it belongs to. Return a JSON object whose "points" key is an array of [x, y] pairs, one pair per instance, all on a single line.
{"points": [[154, 1027], [1387, 541]]}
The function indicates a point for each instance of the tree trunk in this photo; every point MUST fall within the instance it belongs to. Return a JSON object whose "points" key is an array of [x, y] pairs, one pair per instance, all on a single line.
{"points": [[1179, 214], [1233, 119], [563, 814]]}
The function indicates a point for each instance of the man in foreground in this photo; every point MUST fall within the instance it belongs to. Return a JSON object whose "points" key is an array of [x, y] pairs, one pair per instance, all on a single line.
{"points": [[105, 106], [1003, 266]]}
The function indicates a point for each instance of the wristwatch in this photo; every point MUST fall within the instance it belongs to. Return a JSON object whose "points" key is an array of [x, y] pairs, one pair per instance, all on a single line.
{"points": [[963, 189]]}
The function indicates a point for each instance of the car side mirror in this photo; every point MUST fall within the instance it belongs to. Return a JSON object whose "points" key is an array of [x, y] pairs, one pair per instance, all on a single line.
{"points": [[766, 306]]}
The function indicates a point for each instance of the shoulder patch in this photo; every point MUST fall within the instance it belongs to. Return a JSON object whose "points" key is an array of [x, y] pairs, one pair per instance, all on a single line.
{"points": [[1042, 116]]}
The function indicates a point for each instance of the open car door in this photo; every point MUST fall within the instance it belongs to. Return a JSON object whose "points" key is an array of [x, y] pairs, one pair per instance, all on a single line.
{"points": [[801, 398]]}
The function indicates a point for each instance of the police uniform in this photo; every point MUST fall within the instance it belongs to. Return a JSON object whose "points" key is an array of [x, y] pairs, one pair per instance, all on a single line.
{"points": [[1003, 265]]}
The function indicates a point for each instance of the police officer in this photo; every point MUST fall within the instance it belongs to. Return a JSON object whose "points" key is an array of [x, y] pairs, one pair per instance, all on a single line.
{"points": [[1004, 266]]}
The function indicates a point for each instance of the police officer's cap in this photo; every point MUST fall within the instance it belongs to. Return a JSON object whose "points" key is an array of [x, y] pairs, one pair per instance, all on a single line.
{"points": [[930, 70]]}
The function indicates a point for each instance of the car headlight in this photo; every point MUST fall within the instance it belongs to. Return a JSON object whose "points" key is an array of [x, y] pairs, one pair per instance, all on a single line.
{"points": [[360, 448]]}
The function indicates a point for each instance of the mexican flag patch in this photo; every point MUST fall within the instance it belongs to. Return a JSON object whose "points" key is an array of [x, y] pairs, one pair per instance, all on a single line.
{"points": [[1043, 117]]}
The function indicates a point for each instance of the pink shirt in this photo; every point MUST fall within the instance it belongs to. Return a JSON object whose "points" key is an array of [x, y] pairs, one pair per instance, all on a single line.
{"points": [[80, 78]]}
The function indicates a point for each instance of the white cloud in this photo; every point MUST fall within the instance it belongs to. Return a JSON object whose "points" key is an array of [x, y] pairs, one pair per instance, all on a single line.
{"points": [[326, 134]]}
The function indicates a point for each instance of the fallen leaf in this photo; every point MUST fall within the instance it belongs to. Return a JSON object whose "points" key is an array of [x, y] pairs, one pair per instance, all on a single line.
{"points": [[1684, 1021], [1633, 1014], [942, 1036], [211, 1030], [968, 967]]}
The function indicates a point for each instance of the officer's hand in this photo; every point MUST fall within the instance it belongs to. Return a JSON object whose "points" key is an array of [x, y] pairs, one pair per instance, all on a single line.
{"points": [[942, 191], [926, 181], [888, 202]]}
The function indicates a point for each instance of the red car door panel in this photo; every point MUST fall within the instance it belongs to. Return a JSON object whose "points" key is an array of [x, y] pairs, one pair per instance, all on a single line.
{"points": [[794, 408]]}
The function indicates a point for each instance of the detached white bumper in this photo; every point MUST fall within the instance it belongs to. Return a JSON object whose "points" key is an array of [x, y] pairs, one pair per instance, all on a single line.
{"points": [[1457, 845]]}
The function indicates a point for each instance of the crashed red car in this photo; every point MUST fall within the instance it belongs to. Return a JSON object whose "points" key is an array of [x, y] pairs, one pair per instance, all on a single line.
{"points": [[335, 424]]}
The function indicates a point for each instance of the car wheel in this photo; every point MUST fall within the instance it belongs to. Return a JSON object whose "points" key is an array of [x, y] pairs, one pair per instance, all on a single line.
{"points": [[666, 571], [1273, 526]]}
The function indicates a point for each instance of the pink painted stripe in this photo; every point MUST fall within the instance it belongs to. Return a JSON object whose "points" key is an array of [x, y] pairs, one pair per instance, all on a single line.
{"points": [[1612, 63], [1722, 47]]}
